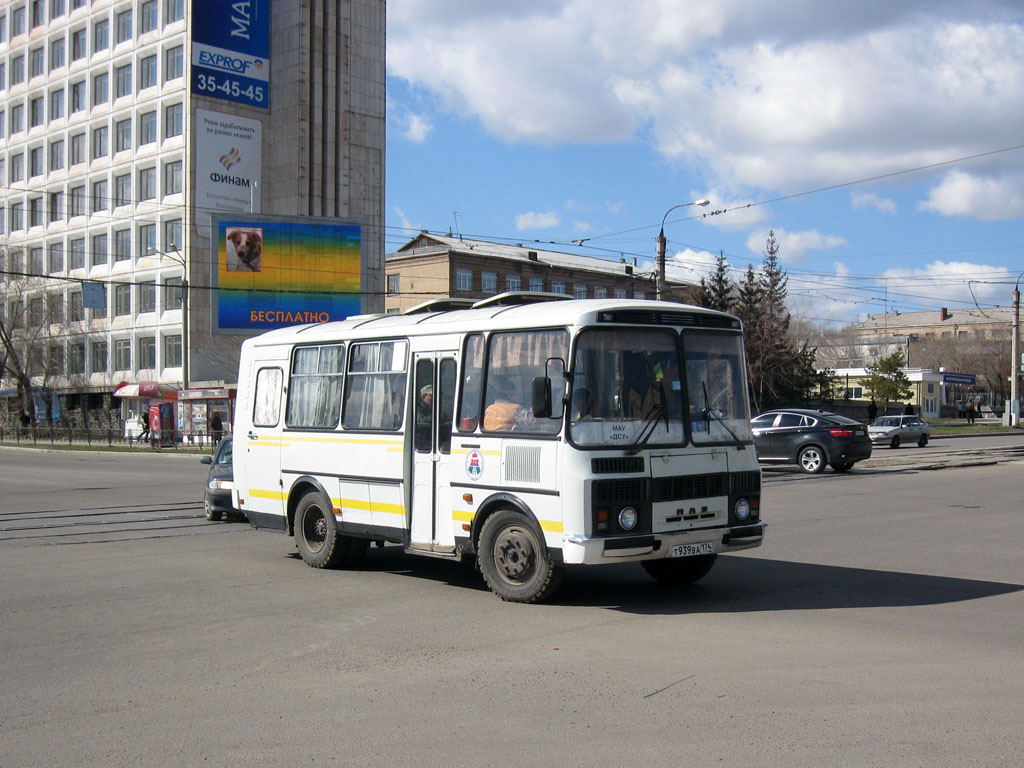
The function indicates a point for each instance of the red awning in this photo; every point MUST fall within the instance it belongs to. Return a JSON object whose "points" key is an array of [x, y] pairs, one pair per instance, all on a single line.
{"points": [[152, 389]]}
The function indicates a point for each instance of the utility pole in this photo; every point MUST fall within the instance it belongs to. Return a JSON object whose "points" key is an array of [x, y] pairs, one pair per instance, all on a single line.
{"points": [[1014, 420], [660, 287]]}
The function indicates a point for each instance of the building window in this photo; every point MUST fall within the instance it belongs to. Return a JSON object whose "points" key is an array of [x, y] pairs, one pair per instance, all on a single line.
{"points": [[35, 212], [76, 358], [557, 286], [463, 280], [122, 189], [172, 235], [100, 35], [123, 81], [77, 254], [100, 198], [147, 72], [536, 284], [173, 291], [124, 26], [78, 44], [38, 12], [36, 62], [17, 69], [57, 104], [35, 312], [579, 291], [56, 8], [76, 308], [17, 167], [35, 161], [55, 308], [147, 183], [639, 295], [489, 282], [78, 96], [147, 239], [600, 292], [147, 128], [56, 206], [122, 354], [78, 148], [394, 283], [122, 245], [174, 62], [35, 261], [36, 116], [172, 351], [620, 293], [57, 54], [172, 177], [17, 118], [174, 10], [99, 142], [17, 21], [513, 283], [147, 17], [122, 299], [17, 216], [55, 258], [147, 296], [123, 135], [147, 352], [98, 358], [100, 255], [56, 155], [173, 116], [100, 89]]}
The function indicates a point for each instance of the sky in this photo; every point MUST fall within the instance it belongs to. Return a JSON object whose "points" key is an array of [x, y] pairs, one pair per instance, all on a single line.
{"points": [[881, 141]]}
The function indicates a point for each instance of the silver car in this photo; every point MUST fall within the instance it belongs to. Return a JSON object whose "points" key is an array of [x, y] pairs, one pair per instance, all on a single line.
{"points": [[896, 430]]}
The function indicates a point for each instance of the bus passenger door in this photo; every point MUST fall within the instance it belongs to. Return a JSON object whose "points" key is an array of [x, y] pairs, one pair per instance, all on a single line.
{"points": [[259, 482], [434, 393]]}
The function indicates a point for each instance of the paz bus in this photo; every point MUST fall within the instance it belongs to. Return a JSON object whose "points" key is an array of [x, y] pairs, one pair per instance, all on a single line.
{"points": [[529, 431]]}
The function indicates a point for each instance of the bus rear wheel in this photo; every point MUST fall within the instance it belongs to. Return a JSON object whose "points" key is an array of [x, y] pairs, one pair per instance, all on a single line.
{"points": [[679, 571], [317, 537], [514, 560]]}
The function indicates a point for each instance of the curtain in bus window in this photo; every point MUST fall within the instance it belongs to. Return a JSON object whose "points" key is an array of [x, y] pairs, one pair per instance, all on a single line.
{"points": [[375, 389], [267, 398], [314, 396], [515, 360]]}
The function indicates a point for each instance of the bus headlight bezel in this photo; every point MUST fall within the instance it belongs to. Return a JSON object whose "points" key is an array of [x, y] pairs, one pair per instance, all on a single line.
{"points": [[741, 510], [628, 518]]}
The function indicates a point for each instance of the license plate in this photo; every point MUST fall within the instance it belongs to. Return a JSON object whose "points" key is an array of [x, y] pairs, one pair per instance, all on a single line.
{"points": [[687, 550]]}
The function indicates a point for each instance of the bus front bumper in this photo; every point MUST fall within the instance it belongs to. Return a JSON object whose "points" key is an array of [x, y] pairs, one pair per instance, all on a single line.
{"points": [[592, 551]]}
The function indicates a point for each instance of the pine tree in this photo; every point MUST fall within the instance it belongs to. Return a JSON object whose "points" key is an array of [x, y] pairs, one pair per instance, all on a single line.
{"points": [[886, 380], [716, 291]]}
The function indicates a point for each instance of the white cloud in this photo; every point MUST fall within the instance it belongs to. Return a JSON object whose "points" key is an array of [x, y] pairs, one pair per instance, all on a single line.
{"points": [[795, 246], [773, 96], [417, 128], [690, 265], [949, 282], [405, 223], [872, 200], [987, 199], [533, 220]]}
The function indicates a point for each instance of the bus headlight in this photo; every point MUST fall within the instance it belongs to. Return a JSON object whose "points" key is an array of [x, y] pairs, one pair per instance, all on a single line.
{"points": [[742, 509], [628, 518]]}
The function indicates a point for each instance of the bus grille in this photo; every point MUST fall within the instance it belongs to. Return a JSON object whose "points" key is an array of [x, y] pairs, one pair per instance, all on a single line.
{"points": [[617, 465], [678, 488], [744, 483], [689, 487], [522, 464]]}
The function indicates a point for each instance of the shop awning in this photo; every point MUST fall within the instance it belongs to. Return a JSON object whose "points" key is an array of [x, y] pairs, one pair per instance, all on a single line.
{"points": [[153, 389]]}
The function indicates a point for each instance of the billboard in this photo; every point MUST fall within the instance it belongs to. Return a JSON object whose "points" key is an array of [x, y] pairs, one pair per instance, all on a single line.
{"points": [[229, 162], [231, 50], [274, 272]]}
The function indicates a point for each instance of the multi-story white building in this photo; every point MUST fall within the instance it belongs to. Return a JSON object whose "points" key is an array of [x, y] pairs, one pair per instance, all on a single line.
{"points": [[109, 113]]}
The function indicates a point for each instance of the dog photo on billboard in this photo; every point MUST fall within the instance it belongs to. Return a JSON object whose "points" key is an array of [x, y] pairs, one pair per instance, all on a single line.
{"points": [[245, 250]]}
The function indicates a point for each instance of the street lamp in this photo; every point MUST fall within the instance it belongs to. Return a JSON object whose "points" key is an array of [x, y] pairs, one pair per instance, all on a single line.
{"points": [[660, 286], [179, 258], [1014, 420]]}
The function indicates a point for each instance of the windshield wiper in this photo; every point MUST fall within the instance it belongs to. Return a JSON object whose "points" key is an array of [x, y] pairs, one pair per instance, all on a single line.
{"points": [[650, 424], [709, 411]]}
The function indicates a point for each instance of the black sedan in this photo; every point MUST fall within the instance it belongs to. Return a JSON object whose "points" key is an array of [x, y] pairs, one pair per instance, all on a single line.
{"points": [[810, 439], [219, 482]]}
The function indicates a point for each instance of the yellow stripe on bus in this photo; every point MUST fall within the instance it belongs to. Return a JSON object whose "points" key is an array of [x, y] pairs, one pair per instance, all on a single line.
{"points": [[261, 494], [370, 506], [551, 526], [459, 451], [462, 517]]}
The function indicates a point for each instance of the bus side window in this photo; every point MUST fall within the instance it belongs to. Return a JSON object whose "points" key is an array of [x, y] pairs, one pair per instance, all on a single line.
{"points": [[266, 410], [472, 377], [375, 386], [446, 406]]}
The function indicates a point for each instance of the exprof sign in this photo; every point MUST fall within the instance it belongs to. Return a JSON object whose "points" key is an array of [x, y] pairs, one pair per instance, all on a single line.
{"points": [[231, 50], [229, 162]]}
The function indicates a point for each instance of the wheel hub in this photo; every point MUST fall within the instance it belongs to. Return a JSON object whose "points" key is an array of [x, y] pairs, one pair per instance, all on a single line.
{"points": [[514, 554]]}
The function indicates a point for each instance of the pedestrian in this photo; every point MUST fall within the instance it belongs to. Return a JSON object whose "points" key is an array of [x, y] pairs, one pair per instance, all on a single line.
{"points": [[970, 413], [872, 410], [145, 426], [216, 428], [961, 409], [909, 410]]}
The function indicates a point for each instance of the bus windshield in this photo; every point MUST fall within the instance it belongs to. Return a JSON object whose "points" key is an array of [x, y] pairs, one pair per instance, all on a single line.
{"points": [[627, 389]]}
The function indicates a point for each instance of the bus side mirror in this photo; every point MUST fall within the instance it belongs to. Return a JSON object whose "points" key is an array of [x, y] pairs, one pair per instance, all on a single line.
{"points": [[540, 397]]}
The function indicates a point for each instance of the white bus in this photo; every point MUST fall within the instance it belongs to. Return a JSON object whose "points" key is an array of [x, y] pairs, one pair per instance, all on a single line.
{"points": [[531, 431]]}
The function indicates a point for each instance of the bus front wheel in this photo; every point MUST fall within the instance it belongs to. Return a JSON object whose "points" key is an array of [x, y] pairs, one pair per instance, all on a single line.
{"points": [[679, 571], [316, 534], [514, 560]]}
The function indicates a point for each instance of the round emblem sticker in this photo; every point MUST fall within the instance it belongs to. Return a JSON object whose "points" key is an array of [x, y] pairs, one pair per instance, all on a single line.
{"points": [[474, 464]]}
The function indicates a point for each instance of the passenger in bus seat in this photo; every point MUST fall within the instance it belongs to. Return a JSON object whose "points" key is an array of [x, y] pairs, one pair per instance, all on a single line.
{"points": [[500, 415]]}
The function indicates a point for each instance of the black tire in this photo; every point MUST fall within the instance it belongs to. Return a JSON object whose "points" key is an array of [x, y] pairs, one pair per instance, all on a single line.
{"points": [[922, 441], [211, 513], [811, 459], [895, 442], [317, 537], [679, 571], [842, 466], [514, 560]]}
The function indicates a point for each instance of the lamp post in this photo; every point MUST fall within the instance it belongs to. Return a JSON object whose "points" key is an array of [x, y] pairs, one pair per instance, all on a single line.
{"points": [[1014, 420], [180, 259], [660, 286]]}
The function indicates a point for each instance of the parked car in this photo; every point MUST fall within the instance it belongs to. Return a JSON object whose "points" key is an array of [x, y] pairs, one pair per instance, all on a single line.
{"points": [[809, 438], [219, 482], [896, 430]]}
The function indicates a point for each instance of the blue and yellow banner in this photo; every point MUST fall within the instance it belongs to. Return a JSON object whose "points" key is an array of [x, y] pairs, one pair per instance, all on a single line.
{"points": [[271, 274]]}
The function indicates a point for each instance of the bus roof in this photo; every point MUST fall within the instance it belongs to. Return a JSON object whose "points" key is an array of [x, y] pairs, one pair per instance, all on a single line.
{"points": [[504, 312]]}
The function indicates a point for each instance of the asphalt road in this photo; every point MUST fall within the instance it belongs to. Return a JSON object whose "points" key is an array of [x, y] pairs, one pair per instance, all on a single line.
{"points": [[879, 625]]}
